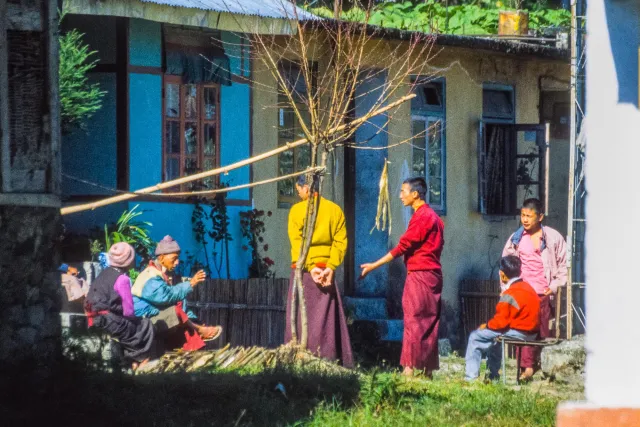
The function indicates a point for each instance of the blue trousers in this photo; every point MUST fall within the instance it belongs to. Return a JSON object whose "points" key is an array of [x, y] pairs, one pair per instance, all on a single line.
{"points": [[483, 341]]}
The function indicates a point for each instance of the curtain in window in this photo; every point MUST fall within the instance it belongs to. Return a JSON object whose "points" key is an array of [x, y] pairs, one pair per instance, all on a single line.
{"points": [[495, 169], [194, 68]]}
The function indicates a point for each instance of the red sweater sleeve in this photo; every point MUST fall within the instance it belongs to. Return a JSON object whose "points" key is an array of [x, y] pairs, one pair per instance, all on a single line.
{"points": [[414, 236]]}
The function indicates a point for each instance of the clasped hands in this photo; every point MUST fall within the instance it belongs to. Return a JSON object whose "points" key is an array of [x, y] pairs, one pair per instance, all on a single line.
{"points": [[323, 277]]}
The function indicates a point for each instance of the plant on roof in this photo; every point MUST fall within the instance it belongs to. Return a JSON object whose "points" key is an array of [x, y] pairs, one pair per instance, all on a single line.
{"points": [[431, 16]]}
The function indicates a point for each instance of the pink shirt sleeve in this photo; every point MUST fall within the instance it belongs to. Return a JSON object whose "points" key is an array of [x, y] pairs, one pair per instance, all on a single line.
{"points": [[123, 288]]}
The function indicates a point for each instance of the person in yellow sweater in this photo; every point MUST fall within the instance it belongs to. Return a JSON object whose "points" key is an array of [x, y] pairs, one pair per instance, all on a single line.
{"points": [[327, 325]]}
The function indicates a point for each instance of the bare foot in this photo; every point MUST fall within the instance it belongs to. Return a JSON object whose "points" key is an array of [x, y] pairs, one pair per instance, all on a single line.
{"points": [[135, 365], [208, 333], [527, 375], [407, 371]]}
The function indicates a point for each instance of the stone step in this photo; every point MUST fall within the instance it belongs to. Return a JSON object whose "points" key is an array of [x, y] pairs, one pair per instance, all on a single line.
{"points": [[366, 308]]}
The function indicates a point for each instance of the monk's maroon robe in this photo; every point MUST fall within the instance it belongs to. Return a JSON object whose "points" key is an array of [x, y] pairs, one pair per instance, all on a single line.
{"points": [[421, 245]]}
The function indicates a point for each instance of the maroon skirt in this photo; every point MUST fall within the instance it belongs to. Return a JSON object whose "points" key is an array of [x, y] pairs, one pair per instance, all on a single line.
{"points": [[328, 336], [421, 307]]}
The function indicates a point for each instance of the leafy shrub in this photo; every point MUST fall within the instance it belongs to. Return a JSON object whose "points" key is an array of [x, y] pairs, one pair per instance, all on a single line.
{"points": [[79, 99]]}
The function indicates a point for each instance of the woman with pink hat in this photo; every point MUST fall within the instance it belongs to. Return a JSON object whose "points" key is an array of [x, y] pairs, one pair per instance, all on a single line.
{"points": [[109, 306]]}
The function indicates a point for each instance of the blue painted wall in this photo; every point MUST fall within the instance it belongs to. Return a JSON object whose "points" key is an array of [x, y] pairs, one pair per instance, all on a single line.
{"points": [[175, 219], [235, 115], [145, 130], [90, 153], [369, 164]]}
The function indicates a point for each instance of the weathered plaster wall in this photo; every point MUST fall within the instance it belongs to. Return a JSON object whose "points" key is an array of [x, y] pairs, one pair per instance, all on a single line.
{"points": [[473, 243]]}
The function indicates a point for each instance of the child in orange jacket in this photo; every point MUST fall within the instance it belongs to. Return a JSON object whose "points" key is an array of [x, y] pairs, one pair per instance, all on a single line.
{"points": [[517, 316]]}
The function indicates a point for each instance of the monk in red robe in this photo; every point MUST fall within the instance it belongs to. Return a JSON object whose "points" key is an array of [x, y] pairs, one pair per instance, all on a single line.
{"points": [[421, 246]]}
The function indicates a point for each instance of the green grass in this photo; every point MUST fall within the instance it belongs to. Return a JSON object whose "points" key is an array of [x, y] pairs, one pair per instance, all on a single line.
{"points": [[249, 397]]}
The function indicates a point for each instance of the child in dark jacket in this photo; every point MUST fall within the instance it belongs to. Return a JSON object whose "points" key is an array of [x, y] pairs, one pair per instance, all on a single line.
{"points": [[517, 317]]}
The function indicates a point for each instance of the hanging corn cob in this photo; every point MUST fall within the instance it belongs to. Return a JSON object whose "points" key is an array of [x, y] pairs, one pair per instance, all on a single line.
{"points": [[383, 214]]}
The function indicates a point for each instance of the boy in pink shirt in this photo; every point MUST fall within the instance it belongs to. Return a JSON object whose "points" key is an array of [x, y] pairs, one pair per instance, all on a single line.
{"points": [[542, 251]]}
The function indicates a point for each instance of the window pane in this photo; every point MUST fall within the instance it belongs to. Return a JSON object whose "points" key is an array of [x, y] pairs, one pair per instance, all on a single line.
{"points": [[527, 170], [286, 188], [190, 166], [285, 163], [497, 103], [190, 104], [435, 191], [210, 137], [172, 137], [435, 150], [210, 103], [527, 143], [429, 95], [303, 157], [172, 100], [191, 139], [208, 165], [418, 129], [171, 169], [286, 120]]}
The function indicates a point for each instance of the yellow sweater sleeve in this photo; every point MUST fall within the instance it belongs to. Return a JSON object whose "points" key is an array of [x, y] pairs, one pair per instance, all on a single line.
{"points": [[339, 244], [295, 227]]}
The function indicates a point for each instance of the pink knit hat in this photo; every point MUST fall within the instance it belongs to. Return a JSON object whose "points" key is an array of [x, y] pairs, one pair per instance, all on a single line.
{"points": [[167, 246], [121, 255]]}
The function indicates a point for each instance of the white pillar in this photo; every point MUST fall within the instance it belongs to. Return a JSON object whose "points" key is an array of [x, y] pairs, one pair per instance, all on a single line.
{"points": [[613, 204]]}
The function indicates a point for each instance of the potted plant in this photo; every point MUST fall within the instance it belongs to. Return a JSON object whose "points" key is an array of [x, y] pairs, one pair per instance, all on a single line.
{"points": [[513, 22]]}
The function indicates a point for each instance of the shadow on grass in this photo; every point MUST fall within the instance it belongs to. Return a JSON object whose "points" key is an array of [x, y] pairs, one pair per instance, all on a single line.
{"points": [[76, 397]]}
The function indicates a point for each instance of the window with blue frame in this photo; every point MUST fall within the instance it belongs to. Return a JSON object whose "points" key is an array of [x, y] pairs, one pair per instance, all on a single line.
{"points": [[511, 157], [427, 127]]}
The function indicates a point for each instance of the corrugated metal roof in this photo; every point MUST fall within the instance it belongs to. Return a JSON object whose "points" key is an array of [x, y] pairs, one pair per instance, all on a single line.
{"points": [[265, 8]]}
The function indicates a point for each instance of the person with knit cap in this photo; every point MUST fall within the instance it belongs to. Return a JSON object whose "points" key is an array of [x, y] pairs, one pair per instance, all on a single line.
{"points": [[109, 306], [155, 296]]}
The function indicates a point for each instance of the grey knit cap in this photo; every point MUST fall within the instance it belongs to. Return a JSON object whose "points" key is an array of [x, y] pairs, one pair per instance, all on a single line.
{"points": [[167, 246]]}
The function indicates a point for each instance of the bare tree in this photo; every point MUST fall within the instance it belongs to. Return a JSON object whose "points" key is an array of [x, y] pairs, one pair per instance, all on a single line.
{"points": [[318, 71]]}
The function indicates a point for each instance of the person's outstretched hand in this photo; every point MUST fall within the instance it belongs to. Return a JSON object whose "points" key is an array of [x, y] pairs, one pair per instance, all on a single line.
{"points": [[366, 269], [197, 278]]}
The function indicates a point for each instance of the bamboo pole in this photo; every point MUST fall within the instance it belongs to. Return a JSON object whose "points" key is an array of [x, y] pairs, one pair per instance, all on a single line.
{"points": [[226, 169]]}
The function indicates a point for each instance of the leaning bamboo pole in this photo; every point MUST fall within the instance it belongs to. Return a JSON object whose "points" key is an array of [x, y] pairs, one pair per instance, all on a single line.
{"points": [[225, 169]]}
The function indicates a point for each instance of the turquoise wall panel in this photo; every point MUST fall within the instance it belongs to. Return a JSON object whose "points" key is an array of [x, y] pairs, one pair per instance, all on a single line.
{"points": [[145, 130], [90, 153], [174, 219], [235, 115], [145, 43]]}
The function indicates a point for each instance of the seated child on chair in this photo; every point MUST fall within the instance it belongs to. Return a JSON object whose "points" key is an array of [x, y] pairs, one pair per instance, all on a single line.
{"points": [[517, 317]]}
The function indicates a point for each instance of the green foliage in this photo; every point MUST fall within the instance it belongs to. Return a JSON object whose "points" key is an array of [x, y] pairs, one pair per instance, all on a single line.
{"points": [[479, 18], [253, 227], [128, 229], [79, 99]]}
